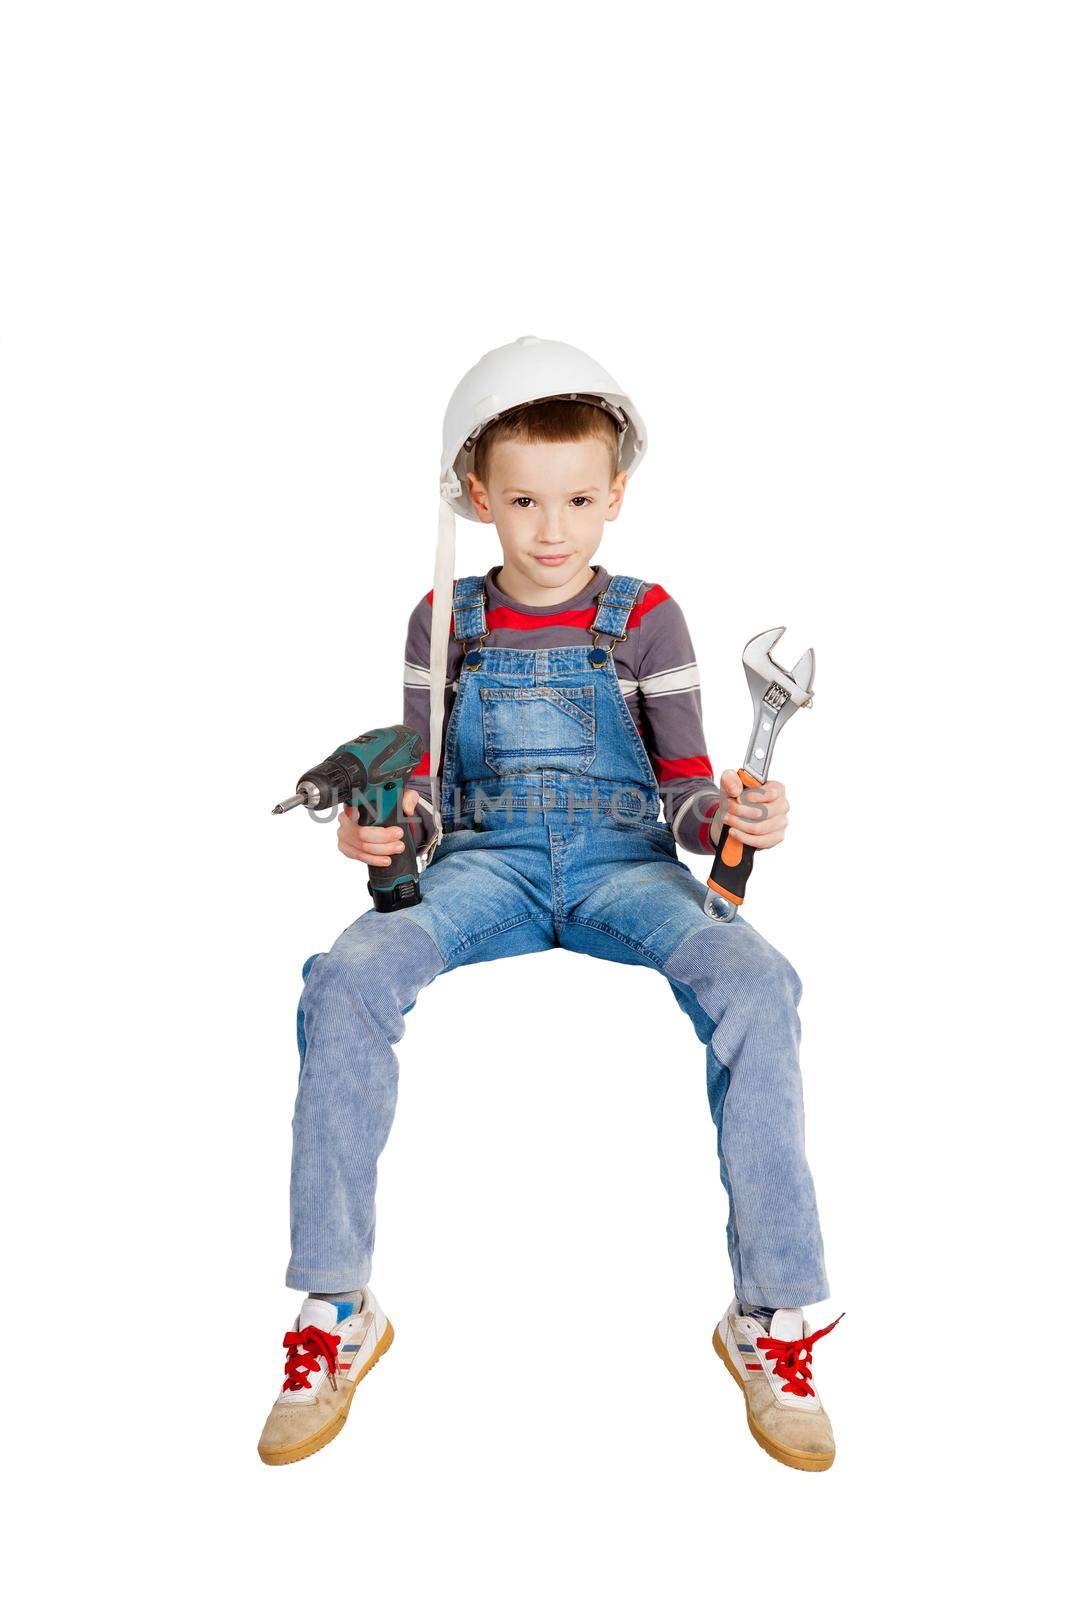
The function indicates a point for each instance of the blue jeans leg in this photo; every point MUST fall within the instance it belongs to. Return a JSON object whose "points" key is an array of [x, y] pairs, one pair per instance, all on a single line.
{"points": [[630, 899], [742, 998], [351, 1016]]}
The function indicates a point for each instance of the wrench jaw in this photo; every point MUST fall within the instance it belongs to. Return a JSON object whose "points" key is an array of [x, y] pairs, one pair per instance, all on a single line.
{"points": [[802, 673], [776, 693], [761, 669]]}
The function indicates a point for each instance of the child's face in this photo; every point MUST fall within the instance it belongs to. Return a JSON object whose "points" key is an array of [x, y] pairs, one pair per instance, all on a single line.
{"points": [[550, 503]]}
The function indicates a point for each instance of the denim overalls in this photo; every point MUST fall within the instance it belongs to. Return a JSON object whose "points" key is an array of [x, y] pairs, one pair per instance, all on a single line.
{"points": [[553, 839], [534, 732]]}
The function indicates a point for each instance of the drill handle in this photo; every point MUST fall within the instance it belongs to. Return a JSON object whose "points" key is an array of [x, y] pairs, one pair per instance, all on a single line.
{"points": [[397, 884]]}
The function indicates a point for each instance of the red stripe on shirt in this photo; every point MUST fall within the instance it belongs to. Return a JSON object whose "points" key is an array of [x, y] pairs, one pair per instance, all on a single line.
{"points": [[655, 597], [423, 768], [684, 767], [505, 617]]}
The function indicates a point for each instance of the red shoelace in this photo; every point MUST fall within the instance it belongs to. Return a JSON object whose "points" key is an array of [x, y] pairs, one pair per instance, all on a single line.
{"points": [[793, 1358], [306, 1349]]}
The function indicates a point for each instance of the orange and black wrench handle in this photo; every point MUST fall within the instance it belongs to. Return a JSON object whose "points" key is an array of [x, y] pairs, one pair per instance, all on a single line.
{"points": [[733, 860]]}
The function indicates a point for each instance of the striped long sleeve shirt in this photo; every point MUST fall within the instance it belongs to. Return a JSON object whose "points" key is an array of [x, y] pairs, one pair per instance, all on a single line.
{"points": [[657, 674]]}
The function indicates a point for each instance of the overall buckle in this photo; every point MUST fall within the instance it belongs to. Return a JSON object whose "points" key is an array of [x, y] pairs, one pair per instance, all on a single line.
{"points": [[598, 656], [472, 653]]}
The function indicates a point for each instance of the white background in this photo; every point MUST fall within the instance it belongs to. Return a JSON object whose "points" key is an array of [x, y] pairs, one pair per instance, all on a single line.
{"points": [[248, 251]]}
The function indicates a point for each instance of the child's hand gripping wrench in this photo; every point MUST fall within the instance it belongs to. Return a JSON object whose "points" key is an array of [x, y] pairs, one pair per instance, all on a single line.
{"points": [[776, 694]]}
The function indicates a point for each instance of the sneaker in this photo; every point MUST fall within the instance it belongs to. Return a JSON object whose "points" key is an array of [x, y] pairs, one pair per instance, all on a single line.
{"points": [[773, 1367], [326, 1355]]}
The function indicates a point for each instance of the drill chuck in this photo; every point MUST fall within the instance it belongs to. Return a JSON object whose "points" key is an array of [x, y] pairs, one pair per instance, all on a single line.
{"points": [[306, 795], [370, 774]]}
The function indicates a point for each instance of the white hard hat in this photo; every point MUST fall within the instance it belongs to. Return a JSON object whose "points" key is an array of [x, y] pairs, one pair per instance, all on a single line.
{"points": [[516, 374]]}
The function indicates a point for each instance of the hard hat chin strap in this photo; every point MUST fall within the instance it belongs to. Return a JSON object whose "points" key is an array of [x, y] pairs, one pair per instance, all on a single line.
{"points": [[443, 575]]}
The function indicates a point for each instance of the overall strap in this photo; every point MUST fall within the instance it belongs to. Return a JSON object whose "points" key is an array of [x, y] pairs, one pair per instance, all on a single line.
{"points": [[615, 606], [468, 608]]}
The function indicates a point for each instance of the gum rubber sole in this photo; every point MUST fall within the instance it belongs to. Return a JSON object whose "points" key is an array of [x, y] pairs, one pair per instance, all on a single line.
{"points": [[316, 1441], [801, 1460]]}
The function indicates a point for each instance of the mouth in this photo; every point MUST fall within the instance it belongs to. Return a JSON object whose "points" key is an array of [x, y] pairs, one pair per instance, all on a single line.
{"points": [[552, 561]]}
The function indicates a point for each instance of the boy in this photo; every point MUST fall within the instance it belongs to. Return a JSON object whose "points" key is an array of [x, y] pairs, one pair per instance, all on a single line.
{"points": [[560, 708]]}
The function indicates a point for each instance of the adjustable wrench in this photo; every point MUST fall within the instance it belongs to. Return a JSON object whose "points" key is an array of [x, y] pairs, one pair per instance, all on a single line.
{"points": [[776, 694]]}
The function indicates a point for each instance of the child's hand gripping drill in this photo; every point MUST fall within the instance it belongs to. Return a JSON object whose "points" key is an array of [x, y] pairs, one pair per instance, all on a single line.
{"points": [[776, 694], [370, 773]]}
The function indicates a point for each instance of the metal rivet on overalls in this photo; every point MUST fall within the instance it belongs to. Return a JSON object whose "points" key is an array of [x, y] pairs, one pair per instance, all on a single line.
{"points": [[599, 656], [473, 659]]}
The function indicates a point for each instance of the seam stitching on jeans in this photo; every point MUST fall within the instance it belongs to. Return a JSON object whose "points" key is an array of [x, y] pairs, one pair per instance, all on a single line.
{"points": [[613, 933], [500, 927]]}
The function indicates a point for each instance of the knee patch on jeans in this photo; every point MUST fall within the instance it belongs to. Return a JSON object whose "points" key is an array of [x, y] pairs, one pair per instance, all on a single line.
{"points": [[735, 959], [378, 967]]}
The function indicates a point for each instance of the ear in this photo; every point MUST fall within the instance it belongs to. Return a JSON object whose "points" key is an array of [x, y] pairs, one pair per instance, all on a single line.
{"points": [[479, 497], [615, 495]]}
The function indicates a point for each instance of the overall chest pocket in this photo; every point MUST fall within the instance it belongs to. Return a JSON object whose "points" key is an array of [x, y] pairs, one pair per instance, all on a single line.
{"points": [[526, 729]]}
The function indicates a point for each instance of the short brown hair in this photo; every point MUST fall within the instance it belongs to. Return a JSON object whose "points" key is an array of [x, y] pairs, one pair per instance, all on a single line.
{"points": [[548, 422]]}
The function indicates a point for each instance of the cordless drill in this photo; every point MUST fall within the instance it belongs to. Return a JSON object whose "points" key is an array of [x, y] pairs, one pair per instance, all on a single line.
{"points": [[370, 773]]}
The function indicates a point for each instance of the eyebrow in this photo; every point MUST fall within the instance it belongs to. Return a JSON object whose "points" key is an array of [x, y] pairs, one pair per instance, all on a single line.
{"points": [[589, 489]]}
